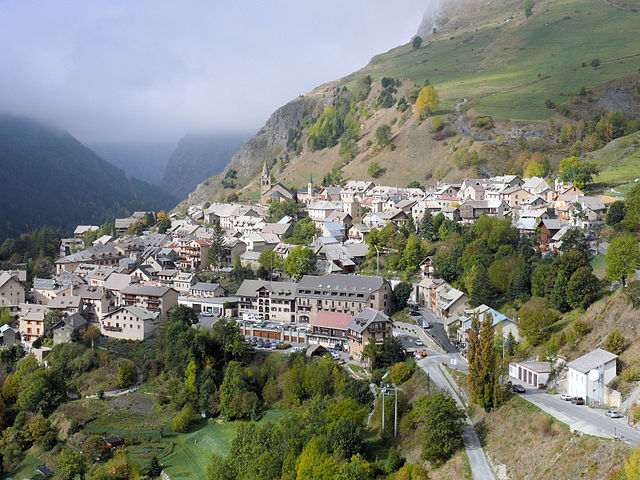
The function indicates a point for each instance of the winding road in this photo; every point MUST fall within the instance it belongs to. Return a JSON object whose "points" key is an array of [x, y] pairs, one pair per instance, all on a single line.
{"points": [[477, 460]]}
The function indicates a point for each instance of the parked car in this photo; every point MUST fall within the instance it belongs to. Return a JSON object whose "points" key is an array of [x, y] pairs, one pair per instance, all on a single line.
{"points": [[207, 314], [613, 414], [274, 346], [577, 401], [260, 342], [566, 397], [419, 343], [267, 344], [517, 388]]}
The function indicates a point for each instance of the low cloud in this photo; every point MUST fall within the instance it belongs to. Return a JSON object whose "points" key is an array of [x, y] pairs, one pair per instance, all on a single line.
{"points": [[151, 70]]}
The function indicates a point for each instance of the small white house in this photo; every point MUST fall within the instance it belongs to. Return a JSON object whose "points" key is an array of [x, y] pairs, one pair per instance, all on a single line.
{"points": [[589, 374], [535, 374]]}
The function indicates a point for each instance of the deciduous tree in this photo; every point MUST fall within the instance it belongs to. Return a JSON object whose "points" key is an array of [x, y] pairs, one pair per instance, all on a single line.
{"points": [[426, 102], [623, 257]]}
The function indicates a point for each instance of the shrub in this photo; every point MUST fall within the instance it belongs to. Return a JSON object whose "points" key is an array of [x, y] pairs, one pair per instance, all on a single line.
{"points": [[399, 373], [545, 425], [126, 374], [629, 374], [437, 123], [485, 122], [595, 63], [375, 170], [634, 413], [183, 420], [581, 328], [615, 342]]}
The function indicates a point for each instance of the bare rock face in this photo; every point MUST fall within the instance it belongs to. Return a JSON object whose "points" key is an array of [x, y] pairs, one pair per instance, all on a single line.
{"points": [[270, 141], [196, 158], [432, 19]]}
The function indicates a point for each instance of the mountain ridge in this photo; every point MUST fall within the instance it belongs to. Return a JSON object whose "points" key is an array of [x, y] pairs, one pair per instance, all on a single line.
{"points": [[53, 179], [494, 69]]}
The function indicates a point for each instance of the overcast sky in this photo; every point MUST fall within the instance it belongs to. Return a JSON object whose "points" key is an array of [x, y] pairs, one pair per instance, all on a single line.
{"points": [[155, 70]]}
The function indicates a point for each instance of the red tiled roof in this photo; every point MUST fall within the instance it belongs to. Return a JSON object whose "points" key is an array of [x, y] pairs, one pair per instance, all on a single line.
{"points": [[327, 319]]}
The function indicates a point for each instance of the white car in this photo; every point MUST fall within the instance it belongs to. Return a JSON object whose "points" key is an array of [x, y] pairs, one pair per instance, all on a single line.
{"points": [[566, 397], [613, 414], [419, 343]]}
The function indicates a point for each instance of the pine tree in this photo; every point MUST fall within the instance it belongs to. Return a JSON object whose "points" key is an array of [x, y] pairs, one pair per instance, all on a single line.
{"points": [[478, 286], [154, 468], [558, 300], [411, 226], [426, 226], [216, 249]]}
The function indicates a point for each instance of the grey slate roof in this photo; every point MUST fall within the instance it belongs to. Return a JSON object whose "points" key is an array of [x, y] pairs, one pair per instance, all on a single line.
{"points": [[208, 287], [335, 284], [367, 316], [74, 321], [591, 360], [249, 288], [147, 290]]}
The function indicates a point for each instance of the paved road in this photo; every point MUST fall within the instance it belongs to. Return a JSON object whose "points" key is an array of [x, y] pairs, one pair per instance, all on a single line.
{"points": [[477, 459], [436, 330], [582, 418]]}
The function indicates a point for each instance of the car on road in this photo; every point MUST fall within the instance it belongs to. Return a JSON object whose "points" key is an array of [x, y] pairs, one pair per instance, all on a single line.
{"points": [[517, 388], [566, 397], [207, 314], [613, 414], [577, 401], [419, 343]]}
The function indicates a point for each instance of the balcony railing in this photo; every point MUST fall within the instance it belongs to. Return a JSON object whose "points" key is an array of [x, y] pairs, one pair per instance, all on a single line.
{"points": [[113, 329]]}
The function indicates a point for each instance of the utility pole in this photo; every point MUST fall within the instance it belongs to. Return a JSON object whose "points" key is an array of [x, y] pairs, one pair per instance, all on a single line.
{"points": [[390, 392]]}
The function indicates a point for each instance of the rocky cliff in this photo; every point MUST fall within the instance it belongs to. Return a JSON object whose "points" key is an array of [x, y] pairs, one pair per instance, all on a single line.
{"points": [[270, 141], [196, 158]]}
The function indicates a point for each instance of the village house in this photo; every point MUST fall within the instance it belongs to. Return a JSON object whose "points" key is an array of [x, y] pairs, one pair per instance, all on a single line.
{"points": [[502, 324], [368, 324], [130, 323], [31, 321], [154, 299], [588, 376], [329, 329], [11, 292], [96, 255], [267, 300], [340, 293], [8, 335], [64, 328], [207, 290], [183, 282]]}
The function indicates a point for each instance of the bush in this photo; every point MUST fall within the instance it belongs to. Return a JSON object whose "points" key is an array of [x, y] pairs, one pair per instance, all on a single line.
{"points": [[126, 374], [545, 424], [581, 328], [375, 170], [485, 122], [615, 342], [399, 373], [630, 374], [184, 419], [634, 413]]}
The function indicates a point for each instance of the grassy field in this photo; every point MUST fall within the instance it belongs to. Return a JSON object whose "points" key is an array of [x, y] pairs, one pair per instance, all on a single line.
{"points": [[619, 162], [507, 65], [192, 451]]}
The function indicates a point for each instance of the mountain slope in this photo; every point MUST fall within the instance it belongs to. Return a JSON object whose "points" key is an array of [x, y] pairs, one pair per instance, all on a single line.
{"points": [[144, 160], [196, 158], [486, 59], [49, 178]]}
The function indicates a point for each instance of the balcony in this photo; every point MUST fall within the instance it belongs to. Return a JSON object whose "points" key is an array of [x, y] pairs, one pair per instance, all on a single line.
{"points": [[113, 329]]}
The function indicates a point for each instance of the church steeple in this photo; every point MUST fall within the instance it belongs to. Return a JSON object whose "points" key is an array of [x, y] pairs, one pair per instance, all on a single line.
{"points": [[310, 185], [265, 180]]}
